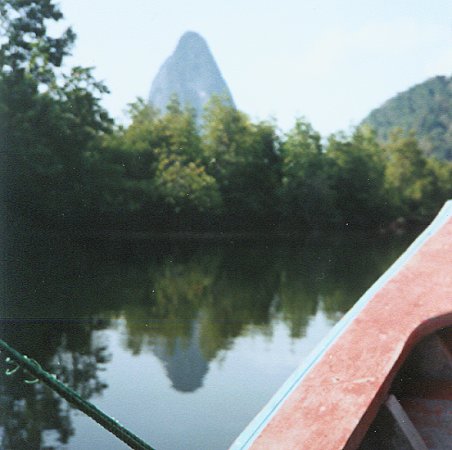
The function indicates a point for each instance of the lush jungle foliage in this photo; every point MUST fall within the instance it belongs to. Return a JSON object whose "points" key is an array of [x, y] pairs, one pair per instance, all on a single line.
{"points": [[425, 108], [65, 163]]}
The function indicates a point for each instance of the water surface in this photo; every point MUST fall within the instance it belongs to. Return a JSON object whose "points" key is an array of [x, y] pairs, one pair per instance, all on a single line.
{"points": [[183, 342]]}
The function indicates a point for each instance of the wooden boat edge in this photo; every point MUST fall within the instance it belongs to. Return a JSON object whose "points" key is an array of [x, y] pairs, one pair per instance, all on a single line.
{"points": [[246, 439]]}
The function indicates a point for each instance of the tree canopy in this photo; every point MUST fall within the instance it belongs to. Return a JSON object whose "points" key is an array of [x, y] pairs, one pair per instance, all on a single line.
{"points": [[65, 163], [425, 110]]}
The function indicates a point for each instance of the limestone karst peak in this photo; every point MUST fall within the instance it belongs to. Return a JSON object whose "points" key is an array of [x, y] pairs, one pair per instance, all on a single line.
{"points": [[191, 74]]}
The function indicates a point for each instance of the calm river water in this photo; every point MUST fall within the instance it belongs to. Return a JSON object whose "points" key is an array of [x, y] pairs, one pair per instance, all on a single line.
{"points": [[183, 342]]}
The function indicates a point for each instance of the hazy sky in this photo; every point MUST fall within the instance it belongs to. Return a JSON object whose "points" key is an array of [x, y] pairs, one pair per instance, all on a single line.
{"points": [[331, 61]]}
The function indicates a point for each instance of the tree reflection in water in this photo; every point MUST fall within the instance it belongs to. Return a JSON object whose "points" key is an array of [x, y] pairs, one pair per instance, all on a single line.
{"points": [[193, 305], [186, 303], [71, 351]]}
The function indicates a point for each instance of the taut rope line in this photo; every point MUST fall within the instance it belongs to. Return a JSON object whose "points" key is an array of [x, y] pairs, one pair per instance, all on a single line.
{"points": [[110, 424]]}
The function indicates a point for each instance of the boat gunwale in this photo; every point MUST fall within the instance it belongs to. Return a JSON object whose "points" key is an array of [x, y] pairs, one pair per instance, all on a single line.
{"points": [[425, 329], [263, 418]]}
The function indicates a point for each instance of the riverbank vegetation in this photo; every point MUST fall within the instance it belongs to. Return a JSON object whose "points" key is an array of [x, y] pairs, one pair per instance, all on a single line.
{"points": [[65, 163]]}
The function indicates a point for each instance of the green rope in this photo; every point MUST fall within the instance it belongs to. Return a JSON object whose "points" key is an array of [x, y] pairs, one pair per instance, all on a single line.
{"points": [[110, 424]]}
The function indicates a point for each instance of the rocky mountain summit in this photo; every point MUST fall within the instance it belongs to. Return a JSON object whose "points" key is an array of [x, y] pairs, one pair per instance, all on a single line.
{"points": [[191, 73]]}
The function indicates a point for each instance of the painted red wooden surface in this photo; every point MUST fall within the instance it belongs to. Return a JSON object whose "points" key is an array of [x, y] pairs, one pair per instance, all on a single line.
{"points": [[339, 397]]}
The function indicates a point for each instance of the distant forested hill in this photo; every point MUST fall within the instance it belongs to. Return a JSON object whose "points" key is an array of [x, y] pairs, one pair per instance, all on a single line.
{"points": [[426, 109]]}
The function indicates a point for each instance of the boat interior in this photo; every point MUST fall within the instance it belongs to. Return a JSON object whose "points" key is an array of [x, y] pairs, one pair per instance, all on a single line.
{"points": [[417, 414]]}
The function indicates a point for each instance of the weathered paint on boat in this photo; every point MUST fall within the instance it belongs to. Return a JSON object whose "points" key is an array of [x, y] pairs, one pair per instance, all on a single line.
{"points": [[330, 401]]}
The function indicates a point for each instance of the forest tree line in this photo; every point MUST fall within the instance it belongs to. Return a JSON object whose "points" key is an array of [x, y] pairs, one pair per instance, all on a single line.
{"points": [[66, 163]]}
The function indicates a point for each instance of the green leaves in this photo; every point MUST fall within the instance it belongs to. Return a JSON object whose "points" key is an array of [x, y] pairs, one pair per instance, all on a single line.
{"points": [[306, 194], [357, 169], [186, 187], [416, 185], [424, 109], [52, 121], [26, 48], [243, 157], [65, 162]]}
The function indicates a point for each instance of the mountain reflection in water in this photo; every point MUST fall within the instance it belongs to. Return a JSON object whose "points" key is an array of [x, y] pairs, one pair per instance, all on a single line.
{"points": [[184, 361], [192, 305]]}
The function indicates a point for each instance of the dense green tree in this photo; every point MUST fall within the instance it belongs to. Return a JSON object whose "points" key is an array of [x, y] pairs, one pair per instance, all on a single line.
{"points": [[134, 152], [226, 137], [180, 132], [186, 188], [424, 109], [64, 162], [357, 171], [442, 179], [263, 176], [164, 178], [50, 120], [414, 183], [152, 135], [49, 139], [306, 194], [244, 159], [27, 50]]}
